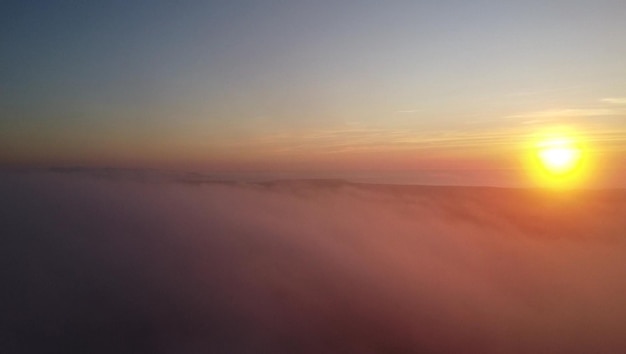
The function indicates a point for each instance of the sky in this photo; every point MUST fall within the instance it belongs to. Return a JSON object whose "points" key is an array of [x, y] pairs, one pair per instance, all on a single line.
{"points": [[308, 85]]}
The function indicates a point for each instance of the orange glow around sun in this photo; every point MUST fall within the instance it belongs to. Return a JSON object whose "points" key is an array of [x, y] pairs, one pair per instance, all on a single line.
{"points": [[558, 160]]}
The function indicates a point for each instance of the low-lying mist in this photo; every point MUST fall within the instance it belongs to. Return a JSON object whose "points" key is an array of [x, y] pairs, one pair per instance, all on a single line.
{"points": [[119, 265]]}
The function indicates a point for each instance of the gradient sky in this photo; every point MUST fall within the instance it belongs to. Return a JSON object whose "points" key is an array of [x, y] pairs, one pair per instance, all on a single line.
{"points": [[268, 85]]}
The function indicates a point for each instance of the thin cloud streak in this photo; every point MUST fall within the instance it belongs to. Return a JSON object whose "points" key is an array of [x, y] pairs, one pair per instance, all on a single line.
{"points": [[408, 111], [364, 139], [565, 113], [616, 101]]}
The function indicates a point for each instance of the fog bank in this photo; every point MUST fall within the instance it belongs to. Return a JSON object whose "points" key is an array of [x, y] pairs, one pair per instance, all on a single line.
{"points": [[130, 265]]}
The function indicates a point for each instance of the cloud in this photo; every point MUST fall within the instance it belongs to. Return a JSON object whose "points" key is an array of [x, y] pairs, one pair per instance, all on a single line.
{"points": [[617, 101], [115, 265], [408, 111], [374, 139], [548, 115]]}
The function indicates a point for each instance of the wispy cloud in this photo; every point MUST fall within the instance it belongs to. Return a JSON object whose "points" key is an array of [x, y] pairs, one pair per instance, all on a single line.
{"points": [[545, 92], [564, 113], [360, 138], [406, 111], [614, 100]]}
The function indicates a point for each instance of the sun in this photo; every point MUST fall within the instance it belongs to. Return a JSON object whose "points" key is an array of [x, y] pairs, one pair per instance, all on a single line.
{"points": [[558, 159], [559, 156]]}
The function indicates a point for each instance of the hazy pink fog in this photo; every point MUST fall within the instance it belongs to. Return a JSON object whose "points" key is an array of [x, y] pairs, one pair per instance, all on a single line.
{"points": [[167, 266]]}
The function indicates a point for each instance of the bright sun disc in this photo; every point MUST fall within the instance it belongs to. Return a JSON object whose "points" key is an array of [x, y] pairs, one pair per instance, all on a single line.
{"points": [[559, 160], [559, 156]]}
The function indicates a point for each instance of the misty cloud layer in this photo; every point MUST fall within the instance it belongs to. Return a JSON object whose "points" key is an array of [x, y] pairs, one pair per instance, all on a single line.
{"points": [[121, 265]]}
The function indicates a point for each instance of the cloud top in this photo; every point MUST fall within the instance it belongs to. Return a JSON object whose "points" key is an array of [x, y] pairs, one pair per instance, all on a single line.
{"points": [[308, 266]]}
